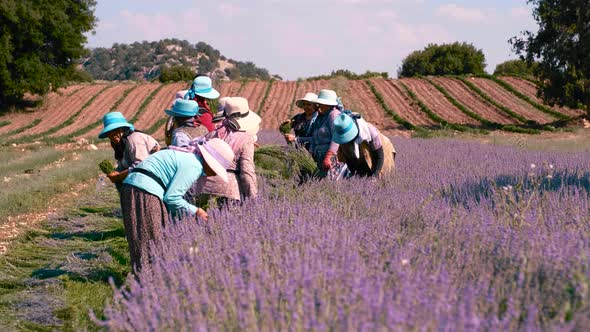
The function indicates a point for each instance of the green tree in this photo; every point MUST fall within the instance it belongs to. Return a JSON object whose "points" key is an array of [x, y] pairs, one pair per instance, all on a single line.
{"points": [[176, 74], [515, 68], [561, 47], [40, 42], [446, 59]]}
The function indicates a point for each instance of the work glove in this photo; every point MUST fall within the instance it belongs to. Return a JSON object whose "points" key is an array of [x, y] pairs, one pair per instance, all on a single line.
{"points": [[327, 163]]}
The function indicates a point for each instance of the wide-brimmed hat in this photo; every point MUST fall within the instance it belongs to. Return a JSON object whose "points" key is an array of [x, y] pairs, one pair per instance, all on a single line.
{"points": [[220, 115], [217, 154], [345, 130], [309, 97], [112, 121], [184, 108], [236, 108], [202, 86], [326, 97]]}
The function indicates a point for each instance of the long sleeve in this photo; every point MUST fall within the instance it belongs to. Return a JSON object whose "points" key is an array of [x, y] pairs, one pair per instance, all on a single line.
{"points": [[247, 176], [333, 145], [178, 186]]}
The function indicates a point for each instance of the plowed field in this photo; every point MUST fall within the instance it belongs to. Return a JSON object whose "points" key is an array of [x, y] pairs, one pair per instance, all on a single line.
{"points": [[361, 99], [229, 89], [130, 104], [437, 102], [57, 113], [95, 111], [464, 95], [22, 119], [397, 100], [530, 90], [506, 98], [276, 108], [155, 109], [254, 91]]}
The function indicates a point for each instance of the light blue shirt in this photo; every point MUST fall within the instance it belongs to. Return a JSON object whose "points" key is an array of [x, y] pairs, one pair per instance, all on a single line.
{"points": [[178, 171]]}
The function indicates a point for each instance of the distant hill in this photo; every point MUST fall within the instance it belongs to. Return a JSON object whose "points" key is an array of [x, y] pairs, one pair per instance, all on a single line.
{"points": [[145, 60]]}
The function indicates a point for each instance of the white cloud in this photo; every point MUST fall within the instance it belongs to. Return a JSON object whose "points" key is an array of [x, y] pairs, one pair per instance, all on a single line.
{"points": [[462, 14]]}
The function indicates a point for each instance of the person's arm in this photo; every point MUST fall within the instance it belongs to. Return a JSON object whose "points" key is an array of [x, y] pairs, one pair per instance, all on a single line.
{"points": [[378, 159], [180, 139], [116, 176], [247, 174], [206, 119], [184, 178]]}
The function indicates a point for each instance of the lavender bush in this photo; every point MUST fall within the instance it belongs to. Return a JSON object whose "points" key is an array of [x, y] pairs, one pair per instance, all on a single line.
{"points": [[463, 237]]}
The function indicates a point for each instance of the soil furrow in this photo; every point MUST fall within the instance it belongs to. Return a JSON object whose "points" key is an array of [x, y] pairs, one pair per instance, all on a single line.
{"points": [[530, 90], [464, 95], [155, 109], [437, 102], [398, 102], [254, 91], [361, 99], [95, 111], [509, 100], [276, 108]]}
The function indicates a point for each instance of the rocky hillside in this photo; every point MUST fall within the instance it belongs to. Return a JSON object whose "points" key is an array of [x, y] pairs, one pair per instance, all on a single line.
{"points": [[145, 60]]}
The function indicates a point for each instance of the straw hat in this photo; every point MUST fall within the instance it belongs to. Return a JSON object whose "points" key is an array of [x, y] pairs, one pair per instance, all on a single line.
{"points": [[217, 154], [112, 121], [184, 108], [220, 115], [237, 109], [309, 97], [327, 97], [345, 130], [202, 86]]}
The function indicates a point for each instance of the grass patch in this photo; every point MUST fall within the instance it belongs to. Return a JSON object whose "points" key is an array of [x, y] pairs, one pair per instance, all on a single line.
{"points": [[42, 186], [51, 277], [155, 126], [4, 123], [31, 162], [387, 110]]}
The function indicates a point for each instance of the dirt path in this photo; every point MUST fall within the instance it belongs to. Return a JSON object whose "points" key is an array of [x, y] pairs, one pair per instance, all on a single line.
{"points": [[530, 90], [506, 98], [464, 95]]}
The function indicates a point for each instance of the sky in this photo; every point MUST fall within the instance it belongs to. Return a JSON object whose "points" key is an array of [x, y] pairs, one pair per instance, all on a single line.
{"points": [[298, 39]]}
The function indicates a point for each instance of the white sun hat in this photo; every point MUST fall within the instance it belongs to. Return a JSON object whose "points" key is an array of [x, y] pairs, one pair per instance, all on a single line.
{"points": [[327, 97], [309, 97]]}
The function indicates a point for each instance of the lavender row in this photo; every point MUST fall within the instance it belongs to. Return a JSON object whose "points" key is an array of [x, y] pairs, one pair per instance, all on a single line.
{"points": [[463, 237]]}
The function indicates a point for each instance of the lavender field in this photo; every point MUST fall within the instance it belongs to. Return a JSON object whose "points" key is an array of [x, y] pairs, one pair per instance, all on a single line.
{"points": [[463, 237]]}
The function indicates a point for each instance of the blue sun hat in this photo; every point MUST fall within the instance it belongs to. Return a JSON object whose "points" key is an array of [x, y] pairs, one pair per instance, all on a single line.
{"points": [[112, 121], [202, 86], [345, 130], [184, 108]]}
